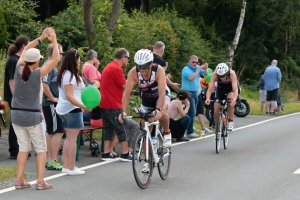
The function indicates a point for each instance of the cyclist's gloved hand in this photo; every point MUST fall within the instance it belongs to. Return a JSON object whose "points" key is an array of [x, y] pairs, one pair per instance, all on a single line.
{"points": [[207, 101], [157, 115]]}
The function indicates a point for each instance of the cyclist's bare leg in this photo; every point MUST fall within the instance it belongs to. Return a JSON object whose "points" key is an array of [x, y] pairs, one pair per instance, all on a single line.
{"points": [[164, 120], [230, 108], [216, 112]]}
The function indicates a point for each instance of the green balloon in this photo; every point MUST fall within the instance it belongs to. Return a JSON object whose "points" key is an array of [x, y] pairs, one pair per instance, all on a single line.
{"points": [[90, 97], [209, 71], [208, 77]]}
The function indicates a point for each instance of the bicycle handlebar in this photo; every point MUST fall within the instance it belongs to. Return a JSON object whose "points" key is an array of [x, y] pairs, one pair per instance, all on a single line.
{"points": [[142, 114]]}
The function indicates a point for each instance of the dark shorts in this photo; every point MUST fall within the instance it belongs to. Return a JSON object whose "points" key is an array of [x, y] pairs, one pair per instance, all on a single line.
{"points": [[221, 93], [49, 121], [199, 109], [272, 95], [111, 123]]}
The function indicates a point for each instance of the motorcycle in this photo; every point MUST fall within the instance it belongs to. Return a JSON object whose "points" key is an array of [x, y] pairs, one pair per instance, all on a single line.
{"points": [[241, 108], [2, 109]]}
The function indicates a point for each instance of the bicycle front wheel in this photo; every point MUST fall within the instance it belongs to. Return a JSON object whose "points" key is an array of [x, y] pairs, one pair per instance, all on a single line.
{"points": [[219, 128], [164, 154], [226, 138], [139, 161]]}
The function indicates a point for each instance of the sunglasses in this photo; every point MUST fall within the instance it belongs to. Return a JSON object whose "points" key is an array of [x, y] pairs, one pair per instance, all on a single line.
{"points": [[195, 62], [144, 66], [223, 76], [127, 57]]}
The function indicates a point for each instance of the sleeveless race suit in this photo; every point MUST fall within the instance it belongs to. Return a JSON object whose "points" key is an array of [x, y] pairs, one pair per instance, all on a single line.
{"points": [[223, 87], [149, 88]]}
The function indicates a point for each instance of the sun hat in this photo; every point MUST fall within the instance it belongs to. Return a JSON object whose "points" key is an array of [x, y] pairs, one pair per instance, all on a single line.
{"points": [[32, 55]]}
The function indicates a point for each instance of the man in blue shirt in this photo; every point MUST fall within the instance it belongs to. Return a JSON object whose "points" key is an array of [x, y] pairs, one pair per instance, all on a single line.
{"points": [[191, 82], [272, 77]]}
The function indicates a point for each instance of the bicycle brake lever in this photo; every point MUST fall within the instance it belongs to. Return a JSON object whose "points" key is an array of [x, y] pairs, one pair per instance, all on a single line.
{"points": [[135, 110]]}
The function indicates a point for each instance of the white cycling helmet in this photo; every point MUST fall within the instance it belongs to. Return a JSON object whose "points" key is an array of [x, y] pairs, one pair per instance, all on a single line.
{"points": [[143, 58], [222, 69]]}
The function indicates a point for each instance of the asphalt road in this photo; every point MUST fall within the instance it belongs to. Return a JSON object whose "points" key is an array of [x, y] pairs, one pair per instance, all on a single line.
{"points": [[259, 164]]}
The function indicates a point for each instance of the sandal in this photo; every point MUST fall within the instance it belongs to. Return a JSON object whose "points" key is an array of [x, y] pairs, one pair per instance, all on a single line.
{"points": [[21, 185], [43, 185]]}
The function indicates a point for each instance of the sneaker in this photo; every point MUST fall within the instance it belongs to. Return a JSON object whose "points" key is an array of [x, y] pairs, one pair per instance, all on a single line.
{"points": [[126, 157], [145, 169], [167, 140], [108, 156], [230, 126], [75, 171], [64, 170], [193, 135], [56, 165], [207, 130], [13, 157]]}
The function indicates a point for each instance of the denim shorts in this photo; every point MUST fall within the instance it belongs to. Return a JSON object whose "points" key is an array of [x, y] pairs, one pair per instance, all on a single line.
{"points": [[72, 120]]}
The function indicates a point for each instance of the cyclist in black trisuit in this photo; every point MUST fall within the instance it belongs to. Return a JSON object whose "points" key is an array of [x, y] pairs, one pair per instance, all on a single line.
{"points": [[226, 88], [151, 79]]}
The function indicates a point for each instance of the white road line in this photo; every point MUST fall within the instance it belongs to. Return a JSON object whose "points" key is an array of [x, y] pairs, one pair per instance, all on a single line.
{"points": [[297, 171], [107, 162], [32, 183]]}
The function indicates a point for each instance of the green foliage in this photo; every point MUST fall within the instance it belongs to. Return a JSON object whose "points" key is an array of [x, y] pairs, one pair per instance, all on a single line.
{"points": [[19, 16], [101, 11], [69, 26], [3, 31], [181, 38]]}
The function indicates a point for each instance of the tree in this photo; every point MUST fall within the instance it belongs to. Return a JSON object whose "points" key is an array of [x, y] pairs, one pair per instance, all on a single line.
{"points": [[89, 24], [235, 41], [88, 21], [112, 20]]}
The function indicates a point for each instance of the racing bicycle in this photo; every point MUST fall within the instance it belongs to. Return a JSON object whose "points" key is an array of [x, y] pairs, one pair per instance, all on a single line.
{"points": [[148, 151], [222, 132]]}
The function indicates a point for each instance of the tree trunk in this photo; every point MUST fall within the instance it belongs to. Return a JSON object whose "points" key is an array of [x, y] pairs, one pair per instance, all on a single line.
{"points": [[48, 9], [233, 46], [143, 5], [113, 17], [88, 21], [286, 46], [150, 5]]}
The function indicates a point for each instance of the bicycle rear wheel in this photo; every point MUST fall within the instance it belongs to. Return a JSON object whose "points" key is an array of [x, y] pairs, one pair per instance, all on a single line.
{"points": [[219, 128], [139, 160], [164, 163]]}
